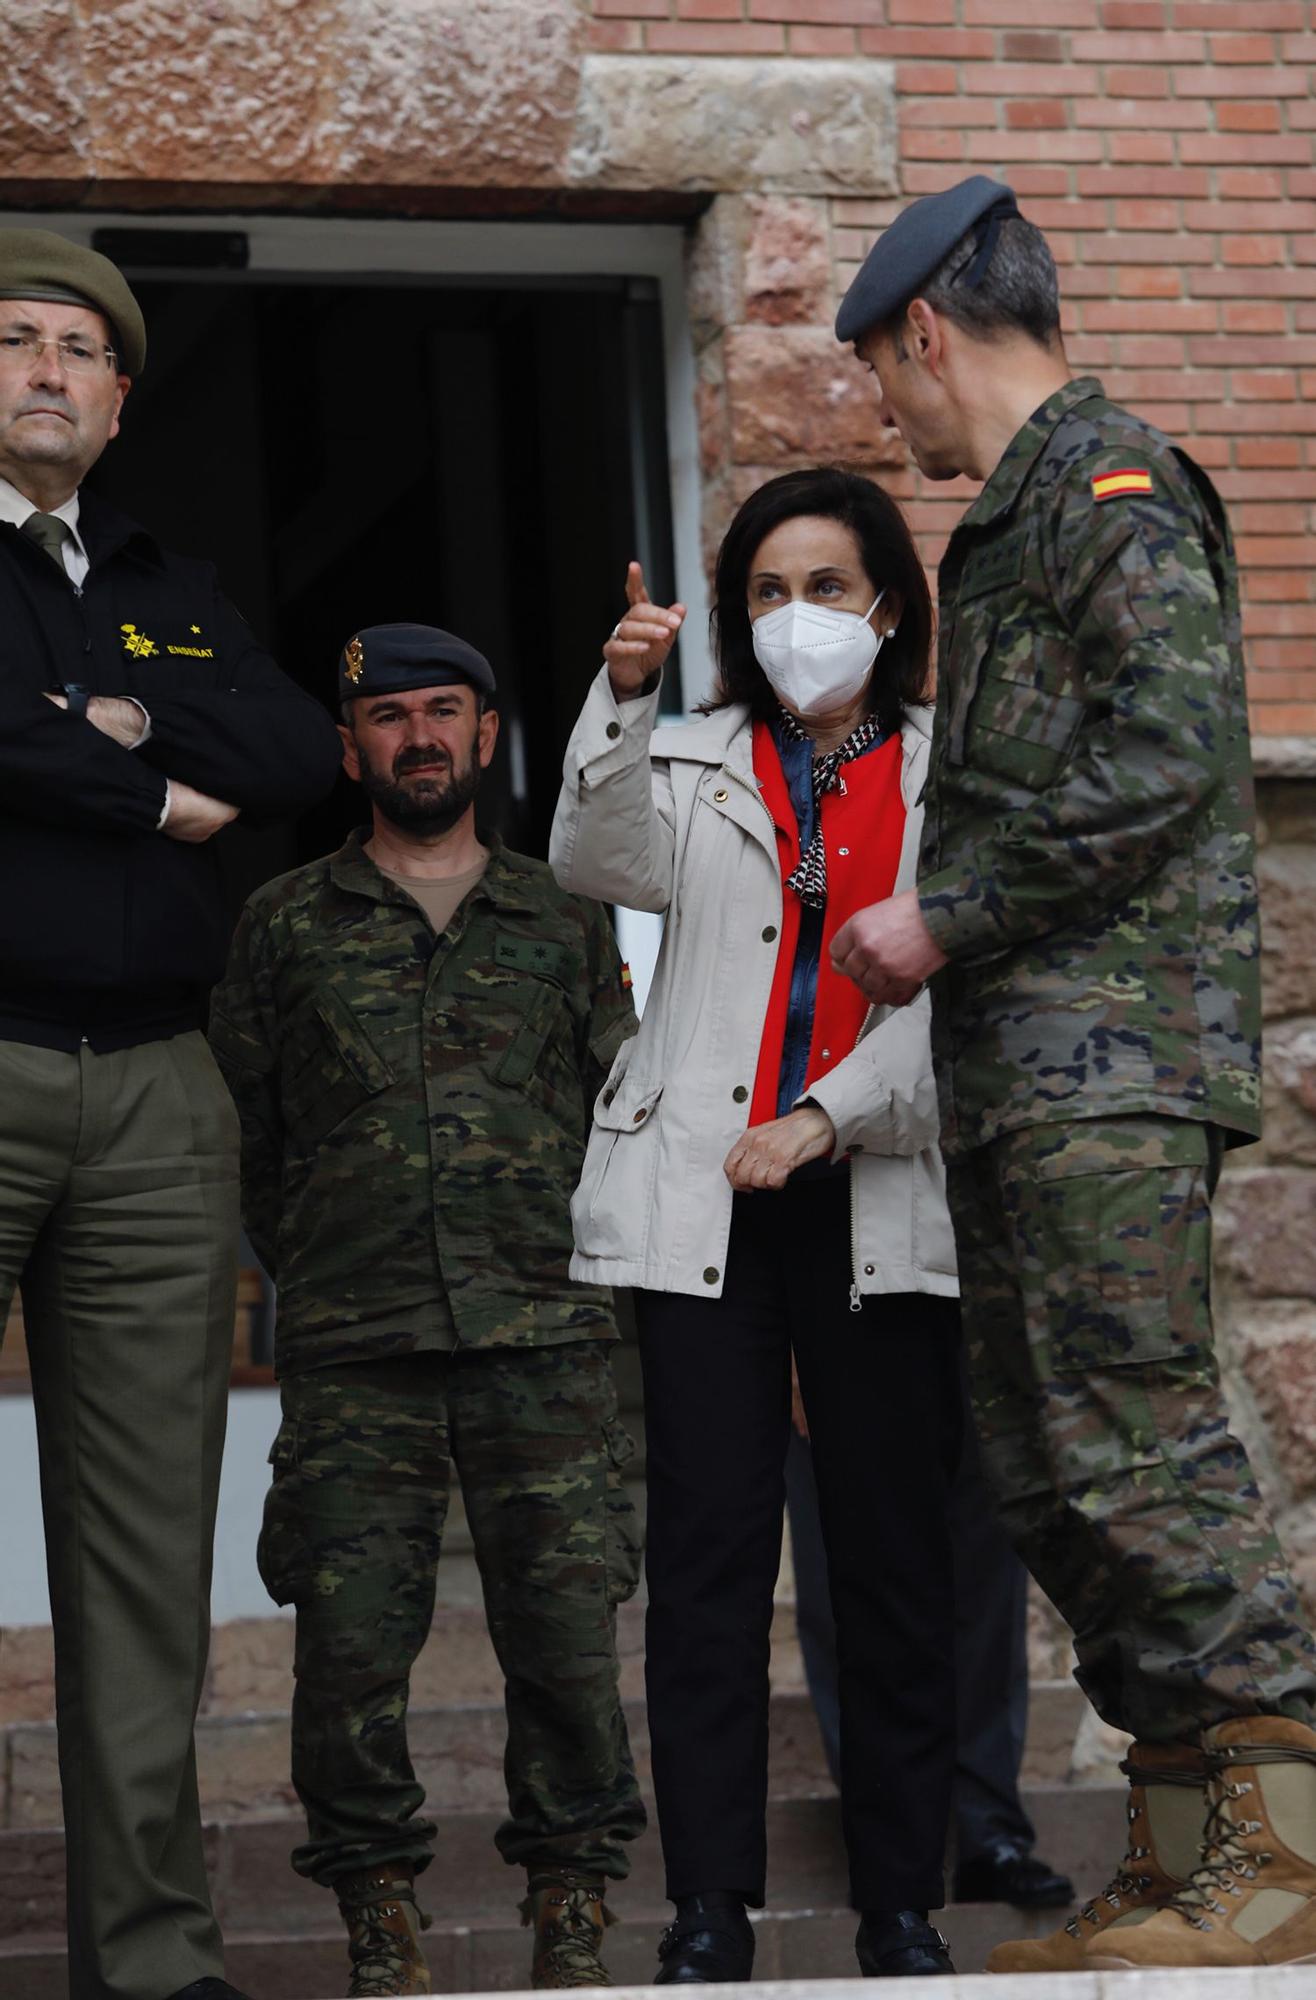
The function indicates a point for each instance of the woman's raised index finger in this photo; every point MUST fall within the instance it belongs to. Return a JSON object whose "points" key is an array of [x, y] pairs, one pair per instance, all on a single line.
{"points": [[636, 593]]}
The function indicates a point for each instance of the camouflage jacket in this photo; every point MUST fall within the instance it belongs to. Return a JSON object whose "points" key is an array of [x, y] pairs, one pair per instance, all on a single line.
{"points": [[415, 1109], [1088, 855]]}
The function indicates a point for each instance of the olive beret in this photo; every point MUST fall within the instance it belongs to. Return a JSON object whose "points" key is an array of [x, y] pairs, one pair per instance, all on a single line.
{"points": [[37, 264], [387, 659], [905, 255]]}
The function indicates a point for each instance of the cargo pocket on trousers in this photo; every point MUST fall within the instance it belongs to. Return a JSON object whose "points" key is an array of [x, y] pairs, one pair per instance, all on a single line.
{"points": [[1107, 1281], [283, 1554], [624, 1539]]}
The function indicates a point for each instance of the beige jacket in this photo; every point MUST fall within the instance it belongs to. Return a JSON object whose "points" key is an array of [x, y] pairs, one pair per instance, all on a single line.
{"points": [[670, 819]]}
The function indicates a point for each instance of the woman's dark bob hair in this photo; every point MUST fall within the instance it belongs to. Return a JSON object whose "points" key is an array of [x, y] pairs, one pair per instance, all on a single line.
{"points": [[900, 678]]}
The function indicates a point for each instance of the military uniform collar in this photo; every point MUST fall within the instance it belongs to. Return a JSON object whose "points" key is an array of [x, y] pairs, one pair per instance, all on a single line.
{"points": [[506, 882], [1024, 450]]}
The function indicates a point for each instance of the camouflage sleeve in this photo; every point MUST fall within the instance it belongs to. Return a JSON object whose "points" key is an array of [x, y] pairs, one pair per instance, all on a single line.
{"points": [[244, 1042], [1132, 580], [612, 1017]]}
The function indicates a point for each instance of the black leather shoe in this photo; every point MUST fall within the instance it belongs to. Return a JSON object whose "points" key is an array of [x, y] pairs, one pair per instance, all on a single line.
{"points": [[711, 1943], [900, 1947], [1012, 1875], [209, 1989]]}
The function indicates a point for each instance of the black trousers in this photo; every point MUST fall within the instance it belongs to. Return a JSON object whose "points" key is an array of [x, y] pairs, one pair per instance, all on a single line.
{"points": [[881, 1387], [991, 1650]]}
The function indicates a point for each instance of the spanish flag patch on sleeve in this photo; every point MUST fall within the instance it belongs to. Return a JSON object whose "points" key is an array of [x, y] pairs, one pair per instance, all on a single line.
{"points": [[1116, 485], [626, 981]]}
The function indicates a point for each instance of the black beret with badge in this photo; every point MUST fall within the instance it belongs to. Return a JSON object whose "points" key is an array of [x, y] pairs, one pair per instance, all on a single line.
{"points": [[38, 264], [922, 235], [391, 659]]}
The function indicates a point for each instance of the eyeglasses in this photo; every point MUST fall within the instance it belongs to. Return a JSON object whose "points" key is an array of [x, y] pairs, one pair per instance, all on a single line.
{"points": [[76, 352]]}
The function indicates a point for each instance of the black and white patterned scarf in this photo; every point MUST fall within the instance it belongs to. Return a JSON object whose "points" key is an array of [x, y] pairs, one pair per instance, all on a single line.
{"points": [[809, 876]]}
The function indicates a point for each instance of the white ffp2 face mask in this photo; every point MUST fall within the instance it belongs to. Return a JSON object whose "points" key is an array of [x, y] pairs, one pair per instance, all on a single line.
{"points": [[817, 659]]}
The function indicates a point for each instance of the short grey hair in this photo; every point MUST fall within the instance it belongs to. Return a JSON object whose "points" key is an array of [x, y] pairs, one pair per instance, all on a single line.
{"points": [[1018, 293]]}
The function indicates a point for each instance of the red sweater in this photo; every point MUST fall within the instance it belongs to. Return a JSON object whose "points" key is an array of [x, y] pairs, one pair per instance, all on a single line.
{"points": [[863, 829]]}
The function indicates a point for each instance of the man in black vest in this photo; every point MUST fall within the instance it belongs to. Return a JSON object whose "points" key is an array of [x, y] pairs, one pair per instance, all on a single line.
{"points": [[138, 716]]}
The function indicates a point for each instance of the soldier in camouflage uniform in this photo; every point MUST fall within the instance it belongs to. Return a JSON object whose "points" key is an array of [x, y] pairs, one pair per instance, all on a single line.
{"points": [[1087, 903], [414, 1029]]}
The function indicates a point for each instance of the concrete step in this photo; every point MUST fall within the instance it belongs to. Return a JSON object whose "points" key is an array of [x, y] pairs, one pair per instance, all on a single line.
{"points": [[490, 1955], [457, 1749], [255, 1888]]}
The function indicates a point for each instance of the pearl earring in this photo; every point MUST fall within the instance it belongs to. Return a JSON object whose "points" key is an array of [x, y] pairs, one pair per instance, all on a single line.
{"points": [[890, 631]]}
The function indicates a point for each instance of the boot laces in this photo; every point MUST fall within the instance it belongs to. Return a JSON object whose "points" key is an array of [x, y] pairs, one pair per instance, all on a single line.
{"points": [[380, 1957], [1126, 1883], [1227, 1860], [570, 1936]]}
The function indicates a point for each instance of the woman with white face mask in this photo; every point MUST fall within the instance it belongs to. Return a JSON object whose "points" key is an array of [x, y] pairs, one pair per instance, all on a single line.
{"points": [[763, 1171]]}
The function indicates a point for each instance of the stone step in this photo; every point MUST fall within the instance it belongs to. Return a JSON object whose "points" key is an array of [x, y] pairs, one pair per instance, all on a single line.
{"points": [[457, 1749], [255, 1888], [488, 1955]]}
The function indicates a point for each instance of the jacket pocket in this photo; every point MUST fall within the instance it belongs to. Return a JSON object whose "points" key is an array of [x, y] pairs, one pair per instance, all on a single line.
{"points": [[610, 1210], [330, 1068], [520, 1058]]}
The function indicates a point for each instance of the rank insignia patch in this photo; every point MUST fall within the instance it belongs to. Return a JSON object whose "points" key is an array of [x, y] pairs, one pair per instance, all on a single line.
{"points": [[137, 643], [355, 655], [1115, 485]]}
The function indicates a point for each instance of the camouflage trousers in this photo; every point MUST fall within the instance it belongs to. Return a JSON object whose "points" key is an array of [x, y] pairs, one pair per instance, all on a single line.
{"points": [[1084, 1257], [352, 1532]]}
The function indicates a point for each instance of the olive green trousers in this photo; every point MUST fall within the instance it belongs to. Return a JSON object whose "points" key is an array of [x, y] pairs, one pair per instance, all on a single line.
{"points": [[119, 1221]]}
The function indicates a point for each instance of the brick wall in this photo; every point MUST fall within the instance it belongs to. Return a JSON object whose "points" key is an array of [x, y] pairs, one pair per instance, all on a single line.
{"points": [[1166, 146]]}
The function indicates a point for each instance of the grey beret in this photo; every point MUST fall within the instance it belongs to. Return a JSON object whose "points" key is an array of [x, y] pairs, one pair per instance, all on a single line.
{"points": [[386, 659], [37, 264], [906, 254]]}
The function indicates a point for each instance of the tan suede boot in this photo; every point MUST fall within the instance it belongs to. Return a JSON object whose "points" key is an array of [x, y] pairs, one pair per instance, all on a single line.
{"points": [[1167, 1801], [1251, 1899], [383, 1931], [569, 1917]]}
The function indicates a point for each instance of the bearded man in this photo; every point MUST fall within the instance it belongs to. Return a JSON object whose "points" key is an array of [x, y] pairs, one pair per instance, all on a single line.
{"points": [[414, 1030]]}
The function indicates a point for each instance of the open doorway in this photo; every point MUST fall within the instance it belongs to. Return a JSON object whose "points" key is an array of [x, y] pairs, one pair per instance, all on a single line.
{"points": [[485, 456]]}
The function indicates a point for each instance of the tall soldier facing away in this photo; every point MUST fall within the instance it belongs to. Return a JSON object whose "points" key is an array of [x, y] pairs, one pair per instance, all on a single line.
{"points": [[137, 717], [1086, 909], [415, 1029]]}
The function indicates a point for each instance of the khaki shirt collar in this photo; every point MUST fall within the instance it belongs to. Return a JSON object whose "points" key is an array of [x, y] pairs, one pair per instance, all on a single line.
{"points": [[1024, 450], [506, 882]]}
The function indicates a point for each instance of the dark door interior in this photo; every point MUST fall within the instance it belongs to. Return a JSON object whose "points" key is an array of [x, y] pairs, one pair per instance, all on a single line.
{"points": [[482, 458]]}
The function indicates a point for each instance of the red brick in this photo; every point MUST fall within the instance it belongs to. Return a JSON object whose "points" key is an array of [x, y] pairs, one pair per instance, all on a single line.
{"points": [[649, 10], [1251, 184], [715, 38], [1277, 284], [1146, 215], [1032, 45], [1050, 181], [1002, 147], [1279, 586], [1283, 718], [710, 10], [1151, 148], [1138, 82], [1168, 316], [1152, 385], [1167, 183], [1249, 16], [1301, 117], [1044, 114], [1152, 281], [1244, 49], [1298, 48], [1110, 112], [1133, 14], [1259, 419], [927, 79], [949, 44], [1286, 486], [1082, 282], [1030, 13], [1270, 216], [1249, 386], [610, 36], [1176, 251], [1256, 350], [1285, 452], [929, 145], [1254, 316], [938, 113], [848, 13], [821, 41], [1273, 551], [1159, 47], [1151, 350], [1281, 148], [1260, 117], [1211, 82], [1017, 79], [922, 13]]}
